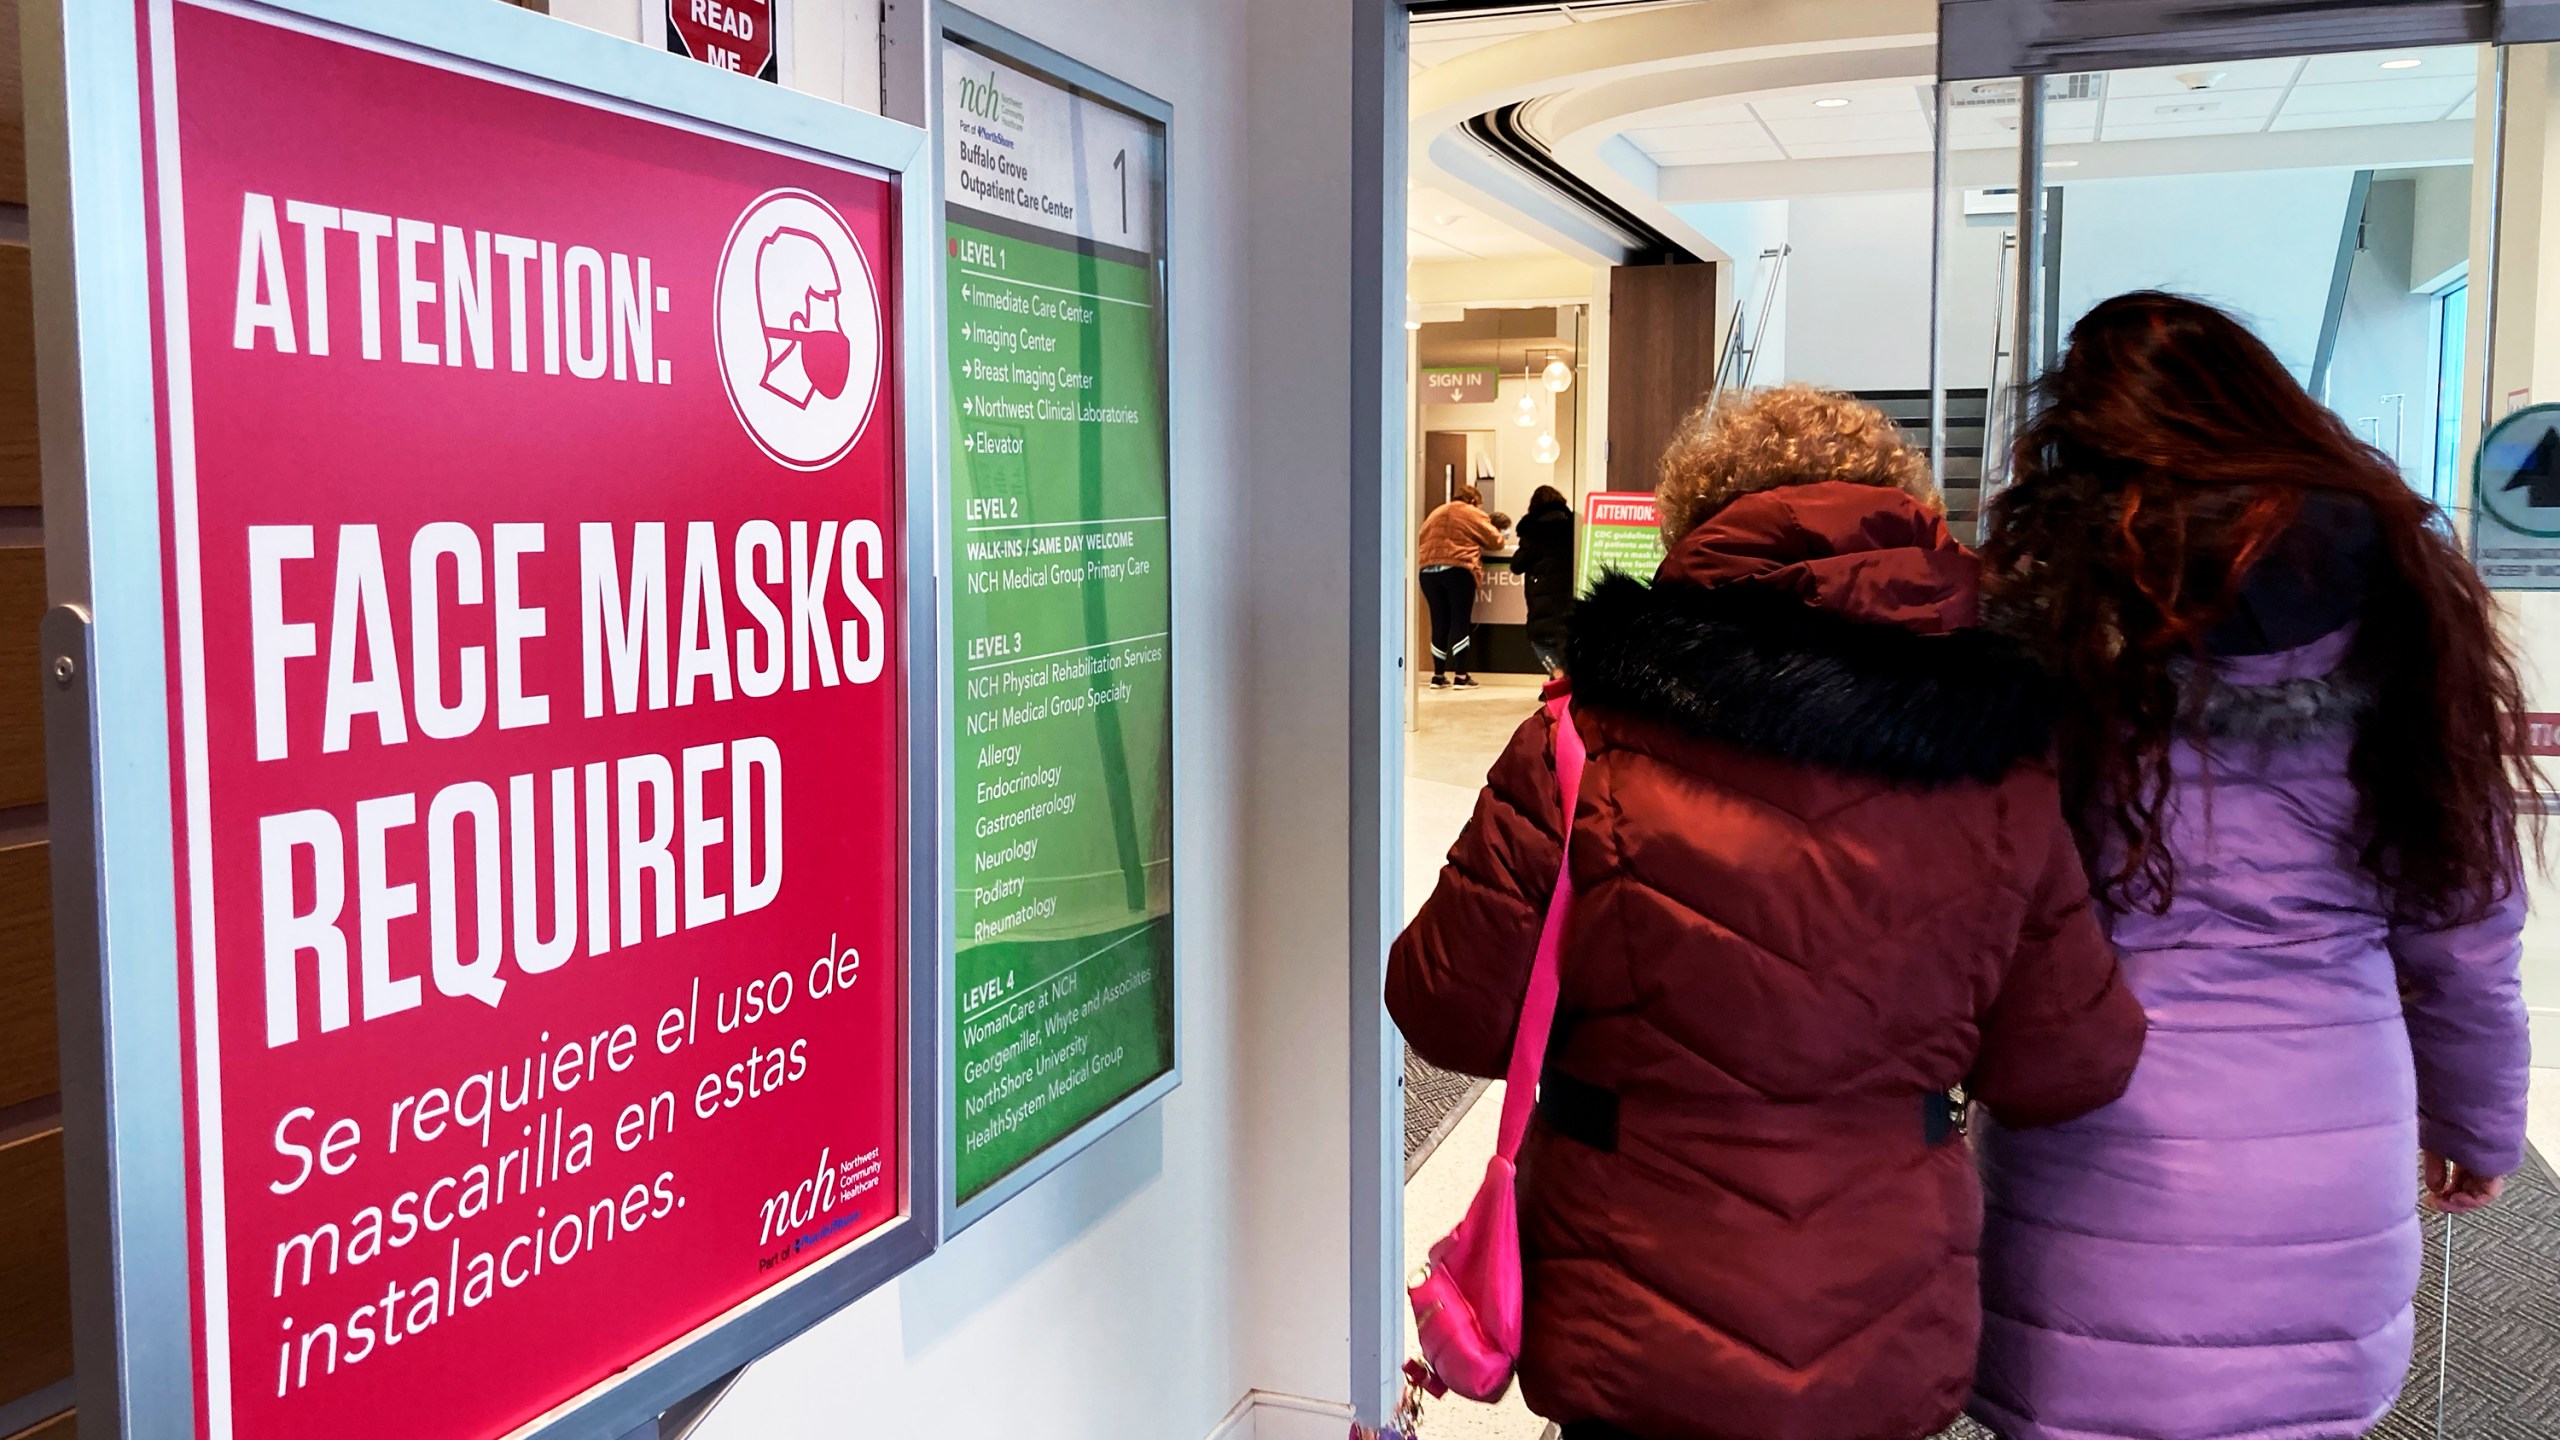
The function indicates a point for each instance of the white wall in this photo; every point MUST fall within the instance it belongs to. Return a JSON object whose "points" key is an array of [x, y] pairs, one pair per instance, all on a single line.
{"points": [[2387, 339], [2441, 247], [2261, 244], [1858, 292], [1853, 311], [1743, 229], [1201, 1251]]}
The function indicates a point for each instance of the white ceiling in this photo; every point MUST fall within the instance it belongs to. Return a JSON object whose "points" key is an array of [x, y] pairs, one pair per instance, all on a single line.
{"points": [[1440, 226], [1437, 42], [2233, 98]]}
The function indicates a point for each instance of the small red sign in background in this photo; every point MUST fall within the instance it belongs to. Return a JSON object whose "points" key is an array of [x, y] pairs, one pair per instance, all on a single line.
{"points": [[2542, 733], [724, 34]]}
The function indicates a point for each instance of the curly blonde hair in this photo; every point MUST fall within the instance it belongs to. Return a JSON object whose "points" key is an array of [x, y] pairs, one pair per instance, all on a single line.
{"points": [[1791, 435]]}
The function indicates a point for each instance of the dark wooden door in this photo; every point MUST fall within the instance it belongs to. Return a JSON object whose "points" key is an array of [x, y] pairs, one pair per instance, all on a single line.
{"points": [[35, 1272], [1662, 359]]}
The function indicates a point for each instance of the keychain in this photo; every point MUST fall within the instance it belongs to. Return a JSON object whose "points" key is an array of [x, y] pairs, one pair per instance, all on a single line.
{"points": [[1406, 1422]]}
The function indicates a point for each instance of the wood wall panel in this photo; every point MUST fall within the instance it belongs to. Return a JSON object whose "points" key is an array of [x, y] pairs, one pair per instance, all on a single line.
{"points": [[30, 1061], [35, 1279], [21, 475], [35, 1269], [13, 112], [1662, 360], [65, 1426], [21, 699]]}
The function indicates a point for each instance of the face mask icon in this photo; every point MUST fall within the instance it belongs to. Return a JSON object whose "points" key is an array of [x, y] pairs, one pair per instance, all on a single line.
{"points": [[796, 320], [806, 351]]}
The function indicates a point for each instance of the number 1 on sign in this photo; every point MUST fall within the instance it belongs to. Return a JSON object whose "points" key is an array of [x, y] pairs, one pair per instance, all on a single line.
{"points": [[1120, 162]]}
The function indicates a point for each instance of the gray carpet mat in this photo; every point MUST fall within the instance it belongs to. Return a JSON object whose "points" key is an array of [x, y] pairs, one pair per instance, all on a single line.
{"points": [[1435, 1100], [2502, 1371]]}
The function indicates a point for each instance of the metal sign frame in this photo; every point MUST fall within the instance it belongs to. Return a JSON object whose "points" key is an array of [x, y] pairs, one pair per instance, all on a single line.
{"points": [[107, 718], [950, 22]]}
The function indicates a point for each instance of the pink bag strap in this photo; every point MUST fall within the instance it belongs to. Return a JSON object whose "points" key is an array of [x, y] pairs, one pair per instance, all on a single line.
{"points": [[1538, 1008]]}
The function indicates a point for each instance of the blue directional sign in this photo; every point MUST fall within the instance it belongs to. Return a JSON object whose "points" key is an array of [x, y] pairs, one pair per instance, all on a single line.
{"points": [[2515, 535]]}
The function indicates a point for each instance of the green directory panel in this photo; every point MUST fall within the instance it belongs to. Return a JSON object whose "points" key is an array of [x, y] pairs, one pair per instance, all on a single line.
{"points": [[1061, 603]]}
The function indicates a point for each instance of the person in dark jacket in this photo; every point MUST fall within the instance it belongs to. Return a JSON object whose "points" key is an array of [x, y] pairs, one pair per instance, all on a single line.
{"points": [[1823, 878], [2293, 741], [1544, 562]]}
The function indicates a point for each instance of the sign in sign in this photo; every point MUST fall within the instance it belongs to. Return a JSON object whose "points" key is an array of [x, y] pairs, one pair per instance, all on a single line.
{"points": [[1621, 531], [1460, 385], [734, 35], [1062, 612], [2515, 534], [531, 482]]}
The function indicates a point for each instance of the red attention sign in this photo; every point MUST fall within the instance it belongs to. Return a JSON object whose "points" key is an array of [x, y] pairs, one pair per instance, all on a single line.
{"points": [[530, 486], [727, 34], [1625, 508]]}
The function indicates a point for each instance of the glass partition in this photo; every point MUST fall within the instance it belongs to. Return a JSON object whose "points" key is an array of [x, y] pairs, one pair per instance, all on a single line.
{"points": [[2326, 200]]}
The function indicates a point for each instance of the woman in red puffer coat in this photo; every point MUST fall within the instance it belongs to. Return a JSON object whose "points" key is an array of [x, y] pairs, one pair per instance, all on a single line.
{"points": [[1822, 879]]}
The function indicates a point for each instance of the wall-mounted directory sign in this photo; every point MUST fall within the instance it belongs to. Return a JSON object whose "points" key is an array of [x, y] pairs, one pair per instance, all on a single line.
{"points": [[533, 475], [1061, 602]]}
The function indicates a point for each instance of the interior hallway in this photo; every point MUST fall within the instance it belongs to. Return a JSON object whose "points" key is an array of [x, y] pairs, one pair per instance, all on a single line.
{"points": [[1451, 1130]]}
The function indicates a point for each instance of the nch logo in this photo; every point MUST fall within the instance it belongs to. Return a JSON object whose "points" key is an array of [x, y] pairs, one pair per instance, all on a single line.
{"points": [[985, 100]]}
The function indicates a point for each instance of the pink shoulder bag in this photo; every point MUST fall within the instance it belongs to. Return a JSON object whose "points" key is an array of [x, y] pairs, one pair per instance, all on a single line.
{"points": [[1467, 1304]]}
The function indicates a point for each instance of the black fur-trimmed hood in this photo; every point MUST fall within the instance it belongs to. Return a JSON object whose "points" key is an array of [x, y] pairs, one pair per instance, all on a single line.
{"points": [[1760, 670]]}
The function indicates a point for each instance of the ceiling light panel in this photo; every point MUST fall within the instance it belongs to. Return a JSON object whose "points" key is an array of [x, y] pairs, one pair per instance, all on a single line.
{"points": [[2140, 85], [1835, 149], [1705, 144], [2410, 92], [2206, 112], [1419, 246], [2344, 119], [1882, 100], [1797, 132], [2462, 61]]}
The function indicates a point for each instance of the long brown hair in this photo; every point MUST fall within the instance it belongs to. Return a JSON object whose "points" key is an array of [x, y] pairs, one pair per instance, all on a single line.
{"points": [[2172, 450]]}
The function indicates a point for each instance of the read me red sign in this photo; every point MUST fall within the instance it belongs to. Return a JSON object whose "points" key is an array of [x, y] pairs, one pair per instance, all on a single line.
{"points": [[530, 489], [726, 34]]}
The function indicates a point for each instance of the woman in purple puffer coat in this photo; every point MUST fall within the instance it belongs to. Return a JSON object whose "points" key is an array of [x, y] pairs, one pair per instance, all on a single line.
{"points": [[2292, 752]]}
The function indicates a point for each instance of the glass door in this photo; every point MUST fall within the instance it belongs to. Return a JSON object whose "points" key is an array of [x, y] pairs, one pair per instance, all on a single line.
{"points": [[2326, 200]]}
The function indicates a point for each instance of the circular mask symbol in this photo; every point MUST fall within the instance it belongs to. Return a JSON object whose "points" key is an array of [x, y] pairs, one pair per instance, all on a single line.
{"points": [[798, 329]]}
